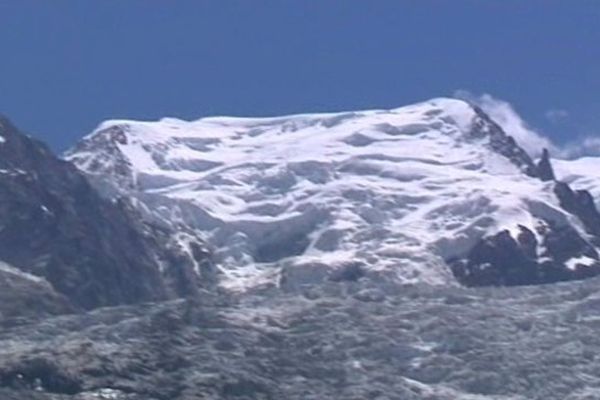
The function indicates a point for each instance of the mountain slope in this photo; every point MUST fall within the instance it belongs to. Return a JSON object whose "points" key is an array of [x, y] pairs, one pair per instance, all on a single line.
{"points": [[434, 192], [55, 228], [351, 340]]}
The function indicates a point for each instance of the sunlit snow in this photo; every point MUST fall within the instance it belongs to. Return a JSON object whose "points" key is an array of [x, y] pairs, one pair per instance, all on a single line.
{"points": [[398, 191]]}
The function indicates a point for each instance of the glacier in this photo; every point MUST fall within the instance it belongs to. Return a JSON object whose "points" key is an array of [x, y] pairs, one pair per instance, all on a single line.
{"points": [[395, 192]]}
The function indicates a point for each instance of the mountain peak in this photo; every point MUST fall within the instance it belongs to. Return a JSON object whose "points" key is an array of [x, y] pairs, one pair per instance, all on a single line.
{"points": [[56, 228], [402, 193]]}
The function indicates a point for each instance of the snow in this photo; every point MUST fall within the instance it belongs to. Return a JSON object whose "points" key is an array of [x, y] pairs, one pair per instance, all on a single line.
{"points": [[580, 173], [13, 171], [398, 191], [104, 393], [585, 261], [9, 269]]}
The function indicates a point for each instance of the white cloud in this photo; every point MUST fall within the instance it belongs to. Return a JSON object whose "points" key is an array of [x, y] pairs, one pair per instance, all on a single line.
{"points": [[585, 147], [529, 138], [556, 115], [505, 115]]}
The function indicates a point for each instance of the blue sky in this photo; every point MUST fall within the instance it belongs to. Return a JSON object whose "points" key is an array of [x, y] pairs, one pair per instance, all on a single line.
{"points": [[67, 65]]}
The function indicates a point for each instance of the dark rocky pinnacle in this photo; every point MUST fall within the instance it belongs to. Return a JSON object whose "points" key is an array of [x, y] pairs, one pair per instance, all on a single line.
{"points": [[581, 204], [544, 168]]}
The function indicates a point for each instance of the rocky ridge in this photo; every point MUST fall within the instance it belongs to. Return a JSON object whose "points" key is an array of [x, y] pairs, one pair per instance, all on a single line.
{"points": [[56, 231]]}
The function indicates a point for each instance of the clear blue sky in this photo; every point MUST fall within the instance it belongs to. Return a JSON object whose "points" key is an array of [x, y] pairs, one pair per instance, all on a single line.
{"points": [[67, 65]]}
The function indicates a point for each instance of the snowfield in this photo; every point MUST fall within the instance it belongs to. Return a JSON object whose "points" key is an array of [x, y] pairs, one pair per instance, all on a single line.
{"points": [[398, 192], [582, 173]]}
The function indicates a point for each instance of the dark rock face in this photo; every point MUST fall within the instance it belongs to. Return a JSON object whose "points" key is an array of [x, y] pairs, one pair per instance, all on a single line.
{"points": [[502, 143], [581, 204], [25, 297], [544, 168], [502, 260], [93, 251], [497, 260], [505, 145]]}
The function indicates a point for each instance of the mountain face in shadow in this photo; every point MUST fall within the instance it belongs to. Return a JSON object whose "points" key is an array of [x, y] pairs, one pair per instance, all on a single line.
{"points": [[55, 228]]}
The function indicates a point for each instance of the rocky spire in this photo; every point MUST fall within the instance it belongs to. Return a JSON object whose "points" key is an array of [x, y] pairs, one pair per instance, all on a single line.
{"points": [[581, 204], [544, 167], [500, 142]]}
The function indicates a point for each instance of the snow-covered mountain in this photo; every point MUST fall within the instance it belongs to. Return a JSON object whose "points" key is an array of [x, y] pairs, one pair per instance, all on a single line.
{"points": [[434, 192], [65, 247]]}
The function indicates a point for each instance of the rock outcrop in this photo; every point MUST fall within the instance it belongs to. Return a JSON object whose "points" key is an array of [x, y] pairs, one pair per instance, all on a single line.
{"points": [[95, 252], [504, 260], [581, 204], [544, 168]]}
